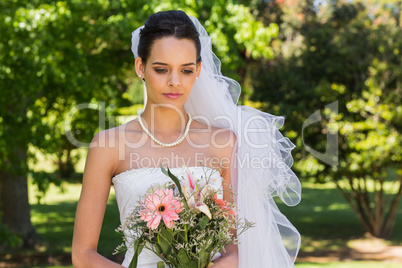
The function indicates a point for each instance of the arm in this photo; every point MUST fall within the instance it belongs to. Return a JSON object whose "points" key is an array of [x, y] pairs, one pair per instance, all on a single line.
{"points": [[230, 257], [99, 169]]}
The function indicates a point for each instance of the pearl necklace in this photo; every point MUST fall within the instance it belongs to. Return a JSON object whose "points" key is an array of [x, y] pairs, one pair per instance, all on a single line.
{"points": [[162, 143]]}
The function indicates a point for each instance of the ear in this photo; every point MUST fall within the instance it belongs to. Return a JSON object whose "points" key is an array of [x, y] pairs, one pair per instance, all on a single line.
{"points": [[139, 67], [198, 68]]}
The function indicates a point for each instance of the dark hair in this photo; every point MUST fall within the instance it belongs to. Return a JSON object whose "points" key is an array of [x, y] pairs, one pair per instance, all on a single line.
{"points": [[174, 23]]}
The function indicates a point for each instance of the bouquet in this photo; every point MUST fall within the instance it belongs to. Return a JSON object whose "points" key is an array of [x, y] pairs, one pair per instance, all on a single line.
{"points": [[183, 222]]}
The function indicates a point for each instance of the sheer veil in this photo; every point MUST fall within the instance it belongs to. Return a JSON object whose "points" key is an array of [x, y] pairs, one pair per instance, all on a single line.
{"points": [[261, 162]]}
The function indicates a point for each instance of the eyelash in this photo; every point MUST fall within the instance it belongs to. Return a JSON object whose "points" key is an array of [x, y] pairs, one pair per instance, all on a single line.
{"points": [[161, 71]]}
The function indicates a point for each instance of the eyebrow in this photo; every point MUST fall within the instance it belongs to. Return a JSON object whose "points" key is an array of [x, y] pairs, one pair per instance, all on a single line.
{"points": [[161, 63]]}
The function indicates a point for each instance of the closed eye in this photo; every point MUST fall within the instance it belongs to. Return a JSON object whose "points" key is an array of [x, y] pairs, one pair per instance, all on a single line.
{"points": [[160, 70]]}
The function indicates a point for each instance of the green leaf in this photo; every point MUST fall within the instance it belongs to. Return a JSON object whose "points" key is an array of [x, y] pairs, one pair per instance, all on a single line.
{"points": [[138, 246], [167, 234], [165, 239], [203, 222], [158, 249], [160, 264], [163, 244], [203, 258], [184, 261], [181, 237], [177, 182]]}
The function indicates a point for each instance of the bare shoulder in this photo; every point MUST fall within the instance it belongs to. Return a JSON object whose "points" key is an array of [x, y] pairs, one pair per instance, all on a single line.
{"points": [[103, 151], [104, 139], [111, 138]]}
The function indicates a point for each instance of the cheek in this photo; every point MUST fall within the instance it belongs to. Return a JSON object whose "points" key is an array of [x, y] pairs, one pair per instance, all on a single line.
{"points": [[156, 81], [188, 82]]}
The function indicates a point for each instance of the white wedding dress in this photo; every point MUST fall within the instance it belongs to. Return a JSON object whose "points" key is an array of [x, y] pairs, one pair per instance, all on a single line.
{"points": [[131, 185]]}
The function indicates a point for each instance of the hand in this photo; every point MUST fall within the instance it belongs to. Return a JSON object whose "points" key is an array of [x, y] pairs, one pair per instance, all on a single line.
{"points": [[227, 261]]}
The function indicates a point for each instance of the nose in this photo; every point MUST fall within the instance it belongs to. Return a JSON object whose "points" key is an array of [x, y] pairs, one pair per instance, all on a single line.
{"points": [[174, 80]]}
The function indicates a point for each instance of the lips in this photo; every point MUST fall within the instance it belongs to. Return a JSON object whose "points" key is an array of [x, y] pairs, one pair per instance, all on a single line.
{"points": [[172, 95]]}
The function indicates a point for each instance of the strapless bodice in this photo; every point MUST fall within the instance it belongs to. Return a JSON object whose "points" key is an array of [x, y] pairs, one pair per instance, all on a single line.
{"points": [[132, 184]]}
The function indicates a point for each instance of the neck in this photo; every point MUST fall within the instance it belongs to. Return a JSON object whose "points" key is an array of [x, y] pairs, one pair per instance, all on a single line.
{"points": [[165, 120]]}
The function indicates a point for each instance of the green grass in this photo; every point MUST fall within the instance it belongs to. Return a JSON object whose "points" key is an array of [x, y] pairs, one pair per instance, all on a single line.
{"points": [[323, 218], [54, 220], [326, 221]]}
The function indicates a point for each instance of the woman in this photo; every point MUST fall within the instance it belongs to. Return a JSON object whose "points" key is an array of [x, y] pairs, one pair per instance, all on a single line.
{"points": [[190, 117]]}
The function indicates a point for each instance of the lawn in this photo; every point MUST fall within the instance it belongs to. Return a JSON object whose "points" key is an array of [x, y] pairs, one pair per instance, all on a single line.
{"points": [[326, 221], [54, 220], [323, 218]]}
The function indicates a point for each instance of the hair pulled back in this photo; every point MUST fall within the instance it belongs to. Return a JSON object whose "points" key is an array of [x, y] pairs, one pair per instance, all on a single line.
{"points": [[172, 23]]}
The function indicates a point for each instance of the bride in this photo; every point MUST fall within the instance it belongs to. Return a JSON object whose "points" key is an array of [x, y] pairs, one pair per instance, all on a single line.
{"points": [[191, 118]]}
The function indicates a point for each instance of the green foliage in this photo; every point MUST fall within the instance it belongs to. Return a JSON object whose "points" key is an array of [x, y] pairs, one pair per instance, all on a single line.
{"points": [[138, 247], [203, 222], [8, 239], [42, 181], [240, 40], [53, 58], [343, 55]]}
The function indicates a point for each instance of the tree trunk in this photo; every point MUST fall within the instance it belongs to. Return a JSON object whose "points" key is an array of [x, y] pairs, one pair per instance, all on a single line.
{"points": [[378, 224], [66, 167], [15, 205], [391, 217]]}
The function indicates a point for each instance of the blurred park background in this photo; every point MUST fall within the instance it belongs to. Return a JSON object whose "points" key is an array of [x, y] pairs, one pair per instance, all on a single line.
{"points": [[292, 58]]}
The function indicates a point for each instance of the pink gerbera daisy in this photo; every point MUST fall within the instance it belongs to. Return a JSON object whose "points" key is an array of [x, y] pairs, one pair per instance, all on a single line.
{"points": [[161, 205]]}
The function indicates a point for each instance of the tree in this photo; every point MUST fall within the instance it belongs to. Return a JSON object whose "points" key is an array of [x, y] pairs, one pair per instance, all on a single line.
{"points": [[53, 57], [340, 53], [58, 55]]}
